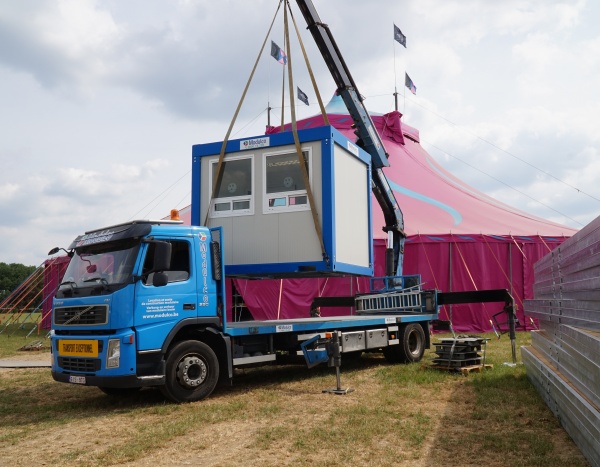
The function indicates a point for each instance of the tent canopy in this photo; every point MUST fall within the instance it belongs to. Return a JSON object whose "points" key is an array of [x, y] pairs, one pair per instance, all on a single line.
{"points": [[432, 200]]}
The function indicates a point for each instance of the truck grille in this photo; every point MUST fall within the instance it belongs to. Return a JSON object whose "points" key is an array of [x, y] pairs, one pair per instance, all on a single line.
{"points": [[89, 365], [81, 315]]}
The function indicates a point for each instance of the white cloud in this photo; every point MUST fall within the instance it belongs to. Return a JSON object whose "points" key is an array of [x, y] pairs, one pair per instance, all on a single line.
{"points": [[76, 27], [8, 191], [65, 44]]}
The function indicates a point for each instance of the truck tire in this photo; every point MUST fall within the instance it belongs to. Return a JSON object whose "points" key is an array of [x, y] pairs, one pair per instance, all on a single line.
{"points": [[192, 372], [411, 347]]}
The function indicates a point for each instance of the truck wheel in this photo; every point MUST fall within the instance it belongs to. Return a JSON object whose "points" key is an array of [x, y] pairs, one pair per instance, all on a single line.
{"points": [[411, 347], [192, 372]]}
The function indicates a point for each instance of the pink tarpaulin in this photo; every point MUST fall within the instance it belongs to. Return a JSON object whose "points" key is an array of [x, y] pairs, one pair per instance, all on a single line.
{"points": [[445, 262], [54, 269], [476, 262]]}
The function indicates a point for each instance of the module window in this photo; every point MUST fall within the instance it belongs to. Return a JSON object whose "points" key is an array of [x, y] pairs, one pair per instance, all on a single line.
{"points": [[284, 182], [234, 194]]}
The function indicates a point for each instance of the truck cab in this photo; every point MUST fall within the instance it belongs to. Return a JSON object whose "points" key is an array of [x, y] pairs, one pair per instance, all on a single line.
{"points": [[143, 304], [128, 291]]}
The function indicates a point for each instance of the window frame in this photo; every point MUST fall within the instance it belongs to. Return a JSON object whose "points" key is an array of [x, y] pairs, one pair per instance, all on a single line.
{"points": [[286, 194], [231, 199], [172, 277]]}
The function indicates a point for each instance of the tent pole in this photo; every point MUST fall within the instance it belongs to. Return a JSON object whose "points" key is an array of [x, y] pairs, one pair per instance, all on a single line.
{"points": [[351, 294], [450, 281], [510, 265], [510, 275]]}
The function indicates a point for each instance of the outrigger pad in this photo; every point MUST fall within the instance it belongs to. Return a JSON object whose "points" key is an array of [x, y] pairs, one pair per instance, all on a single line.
{"points": [[314, 351]]}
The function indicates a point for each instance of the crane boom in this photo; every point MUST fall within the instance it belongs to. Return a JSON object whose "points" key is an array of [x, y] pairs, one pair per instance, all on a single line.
{"points": [[367, 136]]}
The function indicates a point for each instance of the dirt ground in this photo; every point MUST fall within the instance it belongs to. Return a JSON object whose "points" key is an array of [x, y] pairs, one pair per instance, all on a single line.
{"points": [[31, 356], [229, 444]]}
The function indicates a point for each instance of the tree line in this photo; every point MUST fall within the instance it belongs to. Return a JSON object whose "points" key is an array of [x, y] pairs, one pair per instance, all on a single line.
{"points": [[14, 274]]}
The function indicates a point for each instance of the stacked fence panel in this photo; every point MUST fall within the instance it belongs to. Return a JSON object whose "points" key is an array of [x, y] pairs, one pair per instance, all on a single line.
{"points": [[563, 361]]}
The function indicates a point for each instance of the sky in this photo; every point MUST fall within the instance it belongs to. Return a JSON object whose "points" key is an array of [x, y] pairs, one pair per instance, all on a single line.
{"points": [[102, 100]]}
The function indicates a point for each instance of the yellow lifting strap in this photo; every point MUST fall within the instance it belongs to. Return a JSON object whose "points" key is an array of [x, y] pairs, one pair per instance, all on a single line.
{"points": [[310, 72], [309, 194], [303, 168], [219, 174]]}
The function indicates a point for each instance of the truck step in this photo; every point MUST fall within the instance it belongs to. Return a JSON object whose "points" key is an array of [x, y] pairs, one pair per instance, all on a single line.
{"points": [[254, 359]]}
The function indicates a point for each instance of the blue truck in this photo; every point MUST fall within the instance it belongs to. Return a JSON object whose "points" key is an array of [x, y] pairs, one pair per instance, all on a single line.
{"points": [[143, 303]]}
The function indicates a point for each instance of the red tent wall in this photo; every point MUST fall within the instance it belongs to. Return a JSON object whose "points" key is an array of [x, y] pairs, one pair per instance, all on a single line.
{"points": [[291, 298], [54, 269], [476, 262], [445, 262]]}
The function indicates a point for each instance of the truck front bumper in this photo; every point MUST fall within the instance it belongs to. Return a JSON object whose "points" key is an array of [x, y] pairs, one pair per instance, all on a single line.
{"points": [[126, 381]]}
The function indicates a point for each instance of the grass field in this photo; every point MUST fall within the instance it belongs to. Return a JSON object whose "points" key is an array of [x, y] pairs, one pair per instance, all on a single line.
{"points": [[19, 330], [397, 415]]}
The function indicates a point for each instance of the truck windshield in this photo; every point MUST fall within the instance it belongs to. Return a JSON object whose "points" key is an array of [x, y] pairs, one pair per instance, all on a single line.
{"points": [[99, 269]]}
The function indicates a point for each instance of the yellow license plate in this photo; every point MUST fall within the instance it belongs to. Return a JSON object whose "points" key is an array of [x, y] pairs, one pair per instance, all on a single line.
{"points": [[78, 348]]}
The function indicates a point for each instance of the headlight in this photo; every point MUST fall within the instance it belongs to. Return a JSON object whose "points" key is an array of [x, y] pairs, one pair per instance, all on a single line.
{"points": [[113, 353]]}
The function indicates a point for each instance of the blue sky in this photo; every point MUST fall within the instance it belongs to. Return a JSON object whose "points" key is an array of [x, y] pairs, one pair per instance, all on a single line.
{"points": [[101, 101]]}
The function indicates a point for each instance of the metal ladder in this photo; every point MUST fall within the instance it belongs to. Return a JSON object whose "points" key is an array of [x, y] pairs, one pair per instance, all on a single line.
{"points": [[405, 300]]}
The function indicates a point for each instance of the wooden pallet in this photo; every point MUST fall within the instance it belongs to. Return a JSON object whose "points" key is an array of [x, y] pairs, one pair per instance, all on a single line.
{"points": [[465, 370]]}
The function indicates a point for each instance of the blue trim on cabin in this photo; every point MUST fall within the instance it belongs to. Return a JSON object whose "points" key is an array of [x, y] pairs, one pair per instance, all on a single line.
{"points": [[328, 136], [328, 198], [196, 177]]}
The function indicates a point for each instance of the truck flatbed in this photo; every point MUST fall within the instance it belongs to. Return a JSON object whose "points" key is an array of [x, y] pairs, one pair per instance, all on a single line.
{"points": [[321, 324]]}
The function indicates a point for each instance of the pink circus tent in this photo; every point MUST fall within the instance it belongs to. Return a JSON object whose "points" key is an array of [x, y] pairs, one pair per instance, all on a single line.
{"points": [[458, 237]]}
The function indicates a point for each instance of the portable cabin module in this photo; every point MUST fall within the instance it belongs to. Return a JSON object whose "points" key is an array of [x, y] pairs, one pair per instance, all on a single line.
{"points": [[262, 204]]}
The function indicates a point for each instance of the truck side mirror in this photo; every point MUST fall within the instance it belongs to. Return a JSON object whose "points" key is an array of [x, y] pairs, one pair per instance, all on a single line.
{"points": [[160, 279], [162, 256], [56, 249]]}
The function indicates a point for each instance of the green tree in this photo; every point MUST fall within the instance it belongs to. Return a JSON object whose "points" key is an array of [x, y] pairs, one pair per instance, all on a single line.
{"points": [[14, 274]]}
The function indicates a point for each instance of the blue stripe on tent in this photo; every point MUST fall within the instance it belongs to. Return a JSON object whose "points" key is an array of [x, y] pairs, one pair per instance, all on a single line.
{"points": [[426, 199]]}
